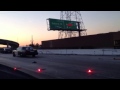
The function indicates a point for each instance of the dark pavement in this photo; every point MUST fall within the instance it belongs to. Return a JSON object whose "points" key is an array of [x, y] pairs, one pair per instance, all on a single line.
{"points": [[13, 73], [65, 66]]}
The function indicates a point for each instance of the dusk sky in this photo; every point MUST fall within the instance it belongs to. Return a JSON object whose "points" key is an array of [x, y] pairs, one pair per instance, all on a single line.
{"points": [[20, 25]]}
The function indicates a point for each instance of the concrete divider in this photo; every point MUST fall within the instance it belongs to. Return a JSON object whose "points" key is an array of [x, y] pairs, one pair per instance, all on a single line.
{"points": [[81, 51]]}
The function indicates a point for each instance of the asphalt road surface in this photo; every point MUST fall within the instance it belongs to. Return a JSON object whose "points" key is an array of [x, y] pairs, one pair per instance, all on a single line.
{"points": [[10, 73], [65, 66]]}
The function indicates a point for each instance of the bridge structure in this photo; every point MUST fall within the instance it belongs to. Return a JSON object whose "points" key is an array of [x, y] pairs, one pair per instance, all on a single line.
{"points": [[13, 44]]}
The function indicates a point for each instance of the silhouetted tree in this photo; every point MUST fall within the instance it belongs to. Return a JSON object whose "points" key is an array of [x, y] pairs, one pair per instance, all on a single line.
{"points": [[37, 45], [32, 45]]}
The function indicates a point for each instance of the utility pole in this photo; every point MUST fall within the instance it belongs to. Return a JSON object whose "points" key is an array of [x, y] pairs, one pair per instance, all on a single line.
{"points": [[32, 40]]}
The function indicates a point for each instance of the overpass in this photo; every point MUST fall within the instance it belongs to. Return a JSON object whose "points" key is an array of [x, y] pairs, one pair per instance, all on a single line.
{"points": [[8, 42]]}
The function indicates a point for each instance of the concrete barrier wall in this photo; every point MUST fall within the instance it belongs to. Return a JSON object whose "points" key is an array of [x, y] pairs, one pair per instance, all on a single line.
{"points": [[81, 51]]}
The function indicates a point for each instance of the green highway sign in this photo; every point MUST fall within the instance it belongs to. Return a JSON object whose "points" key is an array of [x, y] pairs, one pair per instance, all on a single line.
{"points": [[57, 24]]}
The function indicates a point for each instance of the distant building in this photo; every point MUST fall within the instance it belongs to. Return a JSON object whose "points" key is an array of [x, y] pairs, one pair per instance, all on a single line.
{"points": [[105, 40]]}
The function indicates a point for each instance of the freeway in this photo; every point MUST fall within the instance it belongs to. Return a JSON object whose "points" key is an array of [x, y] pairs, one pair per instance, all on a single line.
{"points": [[10, 73], [65, 66]]}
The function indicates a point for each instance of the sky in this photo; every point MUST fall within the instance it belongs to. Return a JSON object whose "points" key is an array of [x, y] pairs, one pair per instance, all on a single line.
{"points": [[21, 25]]}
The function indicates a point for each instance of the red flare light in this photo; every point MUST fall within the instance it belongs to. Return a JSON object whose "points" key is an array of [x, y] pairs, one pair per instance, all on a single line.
{"points": [[39, 70], [15, 68], [89, 71]]}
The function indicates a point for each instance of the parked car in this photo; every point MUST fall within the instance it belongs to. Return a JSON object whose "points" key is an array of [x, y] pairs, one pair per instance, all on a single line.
{"points": [[6, 50], [24, 51], [1, 49]]}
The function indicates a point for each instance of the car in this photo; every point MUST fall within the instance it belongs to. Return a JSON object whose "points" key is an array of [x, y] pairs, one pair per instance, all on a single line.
{"points": [[6, 50], [24, 51], [1, 49]]}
